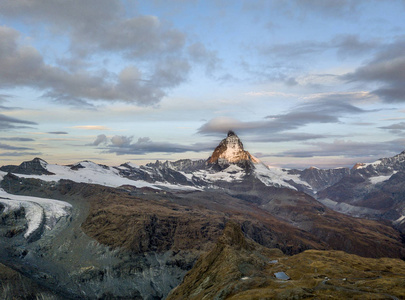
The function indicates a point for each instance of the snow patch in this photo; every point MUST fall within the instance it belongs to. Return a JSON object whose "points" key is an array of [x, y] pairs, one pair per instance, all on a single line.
{"points": [[347, 209], [382, 178], [400, 220], [278, 177]]}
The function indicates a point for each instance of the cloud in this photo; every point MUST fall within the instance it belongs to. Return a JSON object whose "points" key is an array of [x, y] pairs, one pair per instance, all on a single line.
{"points": [[20, 153], [345, 46], [397, 128], [200, 54], [351, 97], [24, 66], [98, 28], [312, 112], [57, 132], [9, 147], [101, 139], [386, 70], [348, 149], [92, 127], [121, 141], [4, 98], [99, 25], [287, 137], [17, 139], [334, 8], [122, 145], [7, 122]]}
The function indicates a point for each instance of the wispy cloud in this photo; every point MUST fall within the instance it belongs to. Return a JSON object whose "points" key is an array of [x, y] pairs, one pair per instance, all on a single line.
{"points": [[17, 139], [312, 112], [57, 132], [348, 149], [10, 147], [7, 122], [123, 145], [386, 70], [91, 127]]}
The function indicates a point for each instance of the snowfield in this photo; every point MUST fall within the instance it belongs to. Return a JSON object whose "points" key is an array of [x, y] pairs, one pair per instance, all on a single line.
{"points": [[90, 172], [382, 178], [38, 211], [230, 174], [277, 177]]}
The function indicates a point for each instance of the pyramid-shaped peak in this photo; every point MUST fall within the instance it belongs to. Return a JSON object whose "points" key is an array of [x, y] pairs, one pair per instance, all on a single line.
{"points": [[231, 149]]}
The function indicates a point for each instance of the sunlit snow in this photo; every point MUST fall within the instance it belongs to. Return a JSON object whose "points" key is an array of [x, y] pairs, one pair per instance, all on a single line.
{"points": [[94, 173]]}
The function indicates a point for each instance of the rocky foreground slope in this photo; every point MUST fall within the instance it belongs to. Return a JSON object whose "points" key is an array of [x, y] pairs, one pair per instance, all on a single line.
{"points": [[239, 268], [98, 232]]}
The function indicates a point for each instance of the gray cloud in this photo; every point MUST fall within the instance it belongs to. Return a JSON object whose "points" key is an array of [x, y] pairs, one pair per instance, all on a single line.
{"points": [[99, 25], [13, 123], [200, 54], [335, 8], [387, 71], [397, 128], [287, 137], [17, 139], [122, 145], [4, 98], [20, 153], [121, 141], [58, 132], [345, 45], [24, 66], [9, 147], [320, 111], [348, 149], [104, 30], [101, 139]]}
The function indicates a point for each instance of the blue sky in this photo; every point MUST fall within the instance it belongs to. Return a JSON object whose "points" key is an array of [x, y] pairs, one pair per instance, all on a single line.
{"points": [[303, 83]]}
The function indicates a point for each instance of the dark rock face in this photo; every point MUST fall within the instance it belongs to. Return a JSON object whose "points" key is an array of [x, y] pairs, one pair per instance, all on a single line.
{"points": [[319, 179], [13, 285], [33, 167]]}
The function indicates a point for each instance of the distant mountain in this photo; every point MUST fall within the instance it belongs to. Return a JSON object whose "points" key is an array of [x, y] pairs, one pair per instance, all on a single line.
{"points": [[375, 190]]}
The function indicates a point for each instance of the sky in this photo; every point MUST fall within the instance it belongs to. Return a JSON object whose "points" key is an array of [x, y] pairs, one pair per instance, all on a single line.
{"points": [[301, 82]]}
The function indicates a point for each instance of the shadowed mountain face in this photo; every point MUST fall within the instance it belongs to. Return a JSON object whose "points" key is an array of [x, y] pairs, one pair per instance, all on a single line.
{"points": [[135, 231]]}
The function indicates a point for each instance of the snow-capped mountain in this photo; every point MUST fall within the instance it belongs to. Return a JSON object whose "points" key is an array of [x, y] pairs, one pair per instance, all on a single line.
{"points": [[229, 163], [231, 150], [372, 190]]}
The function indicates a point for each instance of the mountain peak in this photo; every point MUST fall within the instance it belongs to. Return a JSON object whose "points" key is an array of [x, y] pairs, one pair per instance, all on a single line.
{"points": [[231, 133], [231, 149]]}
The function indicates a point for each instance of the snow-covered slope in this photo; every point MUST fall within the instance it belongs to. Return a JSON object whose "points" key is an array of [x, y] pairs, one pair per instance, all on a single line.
{"points": [[90, 172]]}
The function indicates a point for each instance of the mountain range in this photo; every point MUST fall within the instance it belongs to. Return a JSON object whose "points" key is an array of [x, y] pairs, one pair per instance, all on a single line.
{"points": [[134, 231]]}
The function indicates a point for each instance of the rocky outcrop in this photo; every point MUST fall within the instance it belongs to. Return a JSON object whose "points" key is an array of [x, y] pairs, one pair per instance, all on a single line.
{"points": [[37, 166], [238, 268]]}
